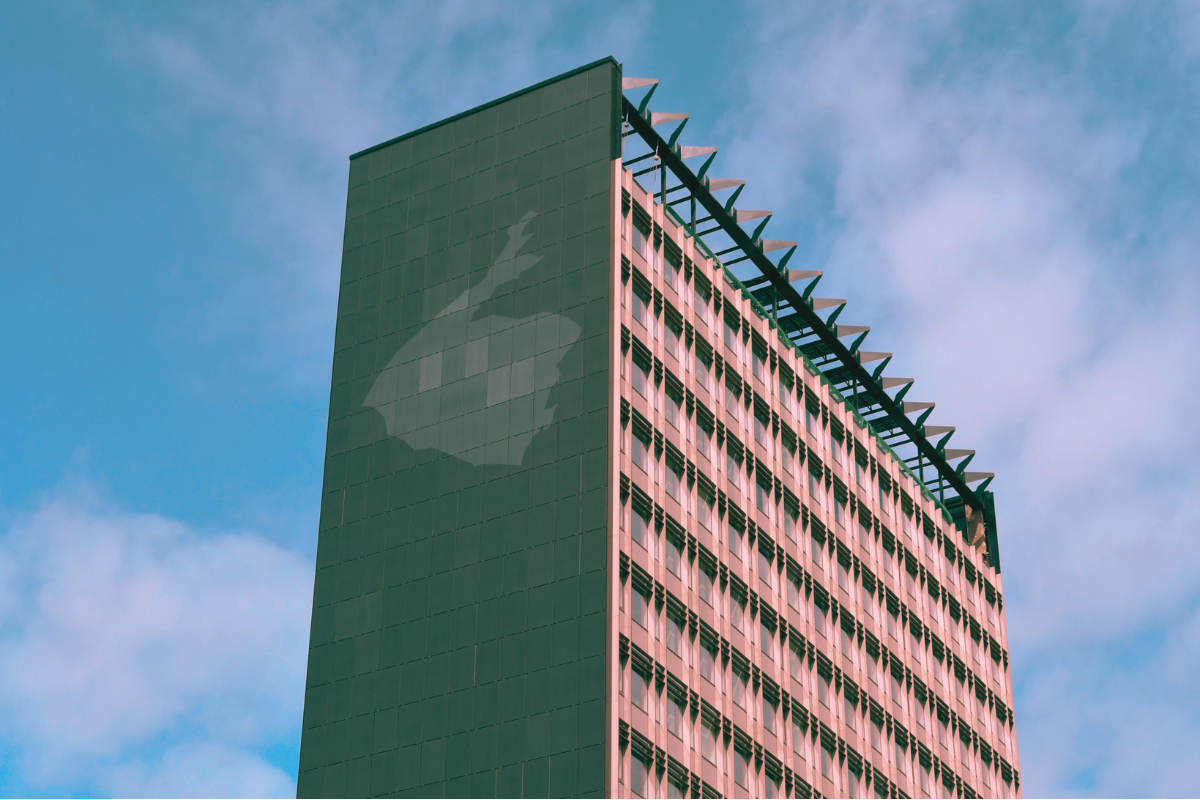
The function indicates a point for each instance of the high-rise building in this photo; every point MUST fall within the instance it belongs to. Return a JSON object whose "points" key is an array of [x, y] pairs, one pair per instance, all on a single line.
{"points": [[613, 505]]}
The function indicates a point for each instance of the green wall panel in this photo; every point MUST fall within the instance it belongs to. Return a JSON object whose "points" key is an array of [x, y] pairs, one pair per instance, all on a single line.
{"points": [[458, 629]]}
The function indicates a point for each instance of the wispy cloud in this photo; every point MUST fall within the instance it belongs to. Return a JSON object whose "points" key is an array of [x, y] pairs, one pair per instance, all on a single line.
{"points": [[287, 91], [982, 196], [140, 656]]}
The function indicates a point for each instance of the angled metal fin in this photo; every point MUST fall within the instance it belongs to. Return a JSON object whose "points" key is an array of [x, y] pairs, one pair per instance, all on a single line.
{"points": [[707, 163], [636, 83], [717, 184], [662, 117], [794, 275]]}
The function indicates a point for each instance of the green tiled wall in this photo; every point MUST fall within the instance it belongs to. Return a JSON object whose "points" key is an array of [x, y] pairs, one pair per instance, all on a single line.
{"points": [[458, 630]]}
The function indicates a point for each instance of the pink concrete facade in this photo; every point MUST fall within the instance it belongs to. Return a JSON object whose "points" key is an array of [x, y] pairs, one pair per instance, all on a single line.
{"points": [[791, 615]]}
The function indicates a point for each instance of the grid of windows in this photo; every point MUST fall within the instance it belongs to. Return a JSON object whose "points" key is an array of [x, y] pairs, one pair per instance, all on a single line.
{"points": [[780, 526]]}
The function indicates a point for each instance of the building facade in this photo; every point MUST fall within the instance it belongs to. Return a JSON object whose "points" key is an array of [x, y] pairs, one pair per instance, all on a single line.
{"points": [[598, 519]]}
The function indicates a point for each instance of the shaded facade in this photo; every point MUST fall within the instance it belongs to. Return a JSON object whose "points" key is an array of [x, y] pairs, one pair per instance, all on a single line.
{"points": [[595, 522]]}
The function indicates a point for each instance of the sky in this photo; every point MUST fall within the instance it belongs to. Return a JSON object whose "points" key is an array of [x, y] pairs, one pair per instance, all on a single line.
{"points": [[1009, 194]]}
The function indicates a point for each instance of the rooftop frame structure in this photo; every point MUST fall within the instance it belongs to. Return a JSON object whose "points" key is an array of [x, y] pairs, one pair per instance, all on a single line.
{"points": [[718, 227]]}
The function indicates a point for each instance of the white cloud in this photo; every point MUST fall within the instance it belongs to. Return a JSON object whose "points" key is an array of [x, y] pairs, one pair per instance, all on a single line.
{"points": [[284, 93], [984, 213], [122, 634]]}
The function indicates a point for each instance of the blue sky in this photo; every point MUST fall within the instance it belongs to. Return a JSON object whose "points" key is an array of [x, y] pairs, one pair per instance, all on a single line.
{"points": [[1008, 193]]}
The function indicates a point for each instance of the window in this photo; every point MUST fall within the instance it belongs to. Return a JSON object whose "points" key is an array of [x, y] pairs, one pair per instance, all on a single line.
{"points": [[900, 759], [772, 787], [785, 392], [640, 302], [672, 273], [762, 433], [700, 301], [843, 578], [943, 732], [860, 474], [885, 501], [789, 523], [868, 601], [924, 774], [733, 469], [640, 449], [731, 336], [798, 738], [739, 689], [871, 668], [766, 639], [847, 645], [919, 713], [793, 591], [677, 719], [707, 664], [889, 563], [938, 672], [839, 510], [741, 768], [795, 665], [814, 488], [818, 552], [768, 714], [836, 447], [736, 612], [639, 773], [826, 762], [705, 587], [822, 689], [671, 335], [672, 409], [852, 782], [674, 635], [734, 538], [708, 743], [639, 376], [639, 608], [811, 423], [849, 713], [915, 646], [674, 790], [640, 527], [864, 535], [641, 236], [704, 509], [673, 556], [892, 625], [765, 571], [702, 438], [733, 402], [819, 618], [673, 480], [897, 690], [877, 735], [758, 366], [701, 368], [640, 689]]}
